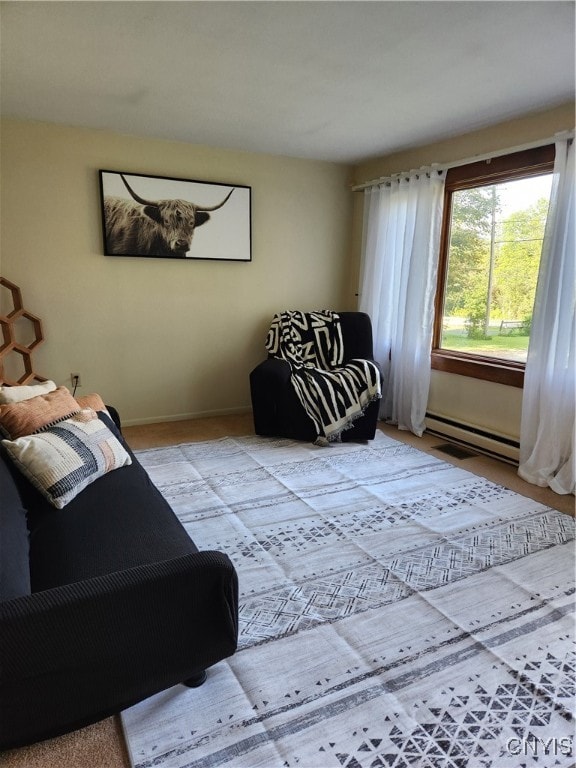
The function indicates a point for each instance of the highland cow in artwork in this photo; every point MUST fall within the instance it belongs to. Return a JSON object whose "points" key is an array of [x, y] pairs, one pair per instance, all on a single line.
{"points": [[139, 225]]}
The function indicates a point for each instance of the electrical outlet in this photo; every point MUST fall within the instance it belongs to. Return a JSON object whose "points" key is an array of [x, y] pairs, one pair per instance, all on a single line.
{"points": [[75, 380]]}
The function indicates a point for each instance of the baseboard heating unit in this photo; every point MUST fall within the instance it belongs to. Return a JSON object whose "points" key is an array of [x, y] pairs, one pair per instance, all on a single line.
{"points": [[490, 443]]}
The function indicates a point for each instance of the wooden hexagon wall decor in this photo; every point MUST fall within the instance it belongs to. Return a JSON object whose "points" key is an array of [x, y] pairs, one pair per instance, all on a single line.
{"points": [[21, 334]]}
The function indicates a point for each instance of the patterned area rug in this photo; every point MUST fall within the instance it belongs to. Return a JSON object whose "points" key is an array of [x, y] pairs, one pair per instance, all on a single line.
{"points": [[395, 611]]}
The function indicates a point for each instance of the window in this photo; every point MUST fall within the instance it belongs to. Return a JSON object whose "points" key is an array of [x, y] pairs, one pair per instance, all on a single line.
{"points": [[494, 218]]}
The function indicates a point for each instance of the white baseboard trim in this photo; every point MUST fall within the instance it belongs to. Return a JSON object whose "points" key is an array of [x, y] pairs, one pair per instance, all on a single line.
{"points": [[187, 416], [491, 443]]}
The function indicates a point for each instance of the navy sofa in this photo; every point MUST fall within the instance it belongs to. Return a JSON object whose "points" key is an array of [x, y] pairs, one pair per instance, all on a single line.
{"points": [[102, 603]]}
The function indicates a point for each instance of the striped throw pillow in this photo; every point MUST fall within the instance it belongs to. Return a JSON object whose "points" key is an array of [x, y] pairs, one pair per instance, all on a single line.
{"points": [[65, 458]]}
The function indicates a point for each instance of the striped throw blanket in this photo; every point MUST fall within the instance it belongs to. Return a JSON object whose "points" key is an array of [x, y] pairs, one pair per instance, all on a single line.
{"points": [[333, 395]]}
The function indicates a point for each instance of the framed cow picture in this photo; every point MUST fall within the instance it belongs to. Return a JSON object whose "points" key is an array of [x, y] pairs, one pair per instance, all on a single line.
{"points": [[167, 218]]}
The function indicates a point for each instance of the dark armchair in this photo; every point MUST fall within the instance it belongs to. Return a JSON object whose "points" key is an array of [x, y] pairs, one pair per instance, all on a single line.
{"points": [[276, 408]]}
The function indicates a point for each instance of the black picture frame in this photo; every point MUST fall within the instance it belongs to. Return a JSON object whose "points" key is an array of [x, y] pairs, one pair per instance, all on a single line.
{"points": [[171, 218]]}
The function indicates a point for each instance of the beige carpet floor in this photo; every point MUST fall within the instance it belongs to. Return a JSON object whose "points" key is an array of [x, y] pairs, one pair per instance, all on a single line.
{"points": [[102, 745]]}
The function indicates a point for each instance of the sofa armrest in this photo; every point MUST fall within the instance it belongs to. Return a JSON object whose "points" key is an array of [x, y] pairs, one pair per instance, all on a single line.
{"points": [[357, 336], [274, 370], [75, 654], [269, 383], [115, 417]]}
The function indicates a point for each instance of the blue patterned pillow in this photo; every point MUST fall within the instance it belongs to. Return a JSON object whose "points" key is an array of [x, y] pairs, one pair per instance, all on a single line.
{"points": [[63, 459]]}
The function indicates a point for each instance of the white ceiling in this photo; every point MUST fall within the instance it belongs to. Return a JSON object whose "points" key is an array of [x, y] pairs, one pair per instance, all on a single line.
{"points": [[340, 81]]}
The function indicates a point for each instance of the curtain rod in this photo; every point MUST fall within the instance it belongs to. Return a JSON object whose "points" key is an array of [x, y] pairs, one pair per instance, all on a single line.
{"points": [[474, 159]]}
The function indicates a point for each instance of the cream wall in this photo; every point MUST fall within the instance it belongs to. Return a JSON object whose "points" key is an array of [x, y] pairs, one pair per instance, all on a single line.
{"points": [[482, 405], [161, 338]]}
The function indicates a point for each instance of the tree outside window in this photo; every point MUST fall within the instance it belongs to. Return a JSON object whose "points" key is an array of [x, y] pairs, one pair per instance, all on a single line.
{"points": [[492, 242]]}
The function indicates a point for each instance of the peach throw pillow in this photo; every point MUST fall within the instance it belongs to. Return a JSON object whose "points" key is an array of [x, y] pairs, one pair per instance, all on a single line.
{"points": [[93, 401], [29, 416]]}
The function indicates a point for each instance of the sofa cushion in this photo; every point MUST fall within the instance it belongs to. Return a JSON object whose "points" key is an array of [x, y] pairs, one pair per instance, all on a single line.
{"points": [[62, 460], [120, 521], [14, 545]]}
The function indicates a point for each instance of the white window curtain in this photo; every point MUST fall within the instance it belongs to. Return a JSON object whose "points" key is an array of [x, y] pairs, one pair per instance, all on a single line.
{"points": [[401, 239], [547, 428]]}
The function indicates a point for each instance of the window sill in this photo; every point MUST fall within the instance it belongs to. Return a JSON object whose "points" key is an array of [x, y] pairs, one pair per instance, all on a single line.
{"points": [[490, 369]]}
